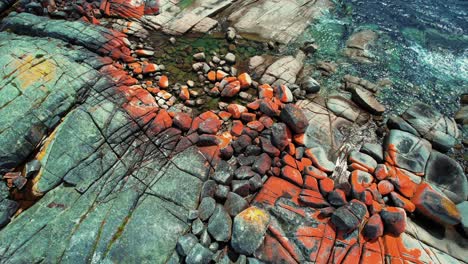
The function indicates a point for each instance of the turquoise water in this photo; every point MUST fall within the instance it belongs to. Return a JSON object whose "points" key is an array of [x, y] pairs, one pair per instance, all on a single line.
{"points": [[422, 49]]}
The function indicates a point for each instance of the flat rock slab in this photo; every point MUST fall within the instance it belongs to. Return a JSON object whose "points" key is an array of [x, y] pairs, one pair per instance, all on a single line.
{"points": [[280, 21]]}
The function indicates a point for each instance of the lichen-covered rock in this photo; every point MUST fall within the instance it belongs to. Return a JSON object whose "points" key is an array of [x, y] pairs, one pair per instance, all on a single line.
{"points": [[249, 230], [440, 130], [435, 206], [447, 175], [407, 151]]}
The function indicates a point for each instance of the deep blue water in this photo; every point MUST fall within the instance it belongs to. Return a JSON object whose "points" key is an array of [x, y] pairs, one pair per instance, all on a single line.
{"points": [[422, 48]]}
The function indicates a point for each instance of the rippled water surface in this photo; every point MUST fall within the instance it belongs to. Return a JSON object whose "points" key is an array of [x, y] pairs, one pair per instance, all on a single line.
{"points": [[422, 48]]}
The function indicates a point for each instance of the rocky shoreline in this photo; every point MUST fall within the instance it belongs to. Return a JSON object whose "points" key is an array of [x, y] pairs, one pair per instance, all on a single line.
{"points": [[110, 155]]}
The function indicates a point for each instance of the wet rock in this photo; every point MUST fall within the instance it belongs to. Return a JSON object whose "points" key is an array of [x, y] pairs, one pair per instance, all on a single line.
{"points": [[199, 255], [293, 116], [358, 43], [249, 230], [407, 151], [435, 206], [220, 224], [394, 220], [441, 131], [310, 85], [447, 175], [367, 100], [185, 244]]}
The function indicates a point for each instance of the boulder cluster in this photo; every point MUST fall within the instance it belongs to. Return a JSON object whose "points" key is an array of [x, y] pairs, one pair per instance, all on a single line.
{"points": [[117, 160]]}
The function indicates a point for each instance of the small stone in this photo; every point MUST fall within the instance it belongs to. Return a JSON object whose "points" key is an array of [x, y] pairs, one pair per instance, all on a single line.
{"points": [[245, 80], [347, 218], [32, 168], [185, 244], [293, 116], [373, 150], [363, 159], [230, 58], [310, 85], [163, 82], [230, 34], [192, 214], [241, 187], [223, 173], [199, 255], [394, 220], [197, 227], [249, 230], [220, 224], [182, 121], [244, 173], [262, 164], [283, 93], [235, 204], [374, 227], [222, 192], [206, 208], [199, 56], [172, 40]]}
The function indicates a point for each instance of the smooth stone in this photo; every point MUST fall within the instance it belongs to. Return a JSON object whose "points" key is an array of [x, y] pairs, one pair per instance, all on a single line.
{"points": [[249, 230], [206, 208], [220, 224], [199, 255]]}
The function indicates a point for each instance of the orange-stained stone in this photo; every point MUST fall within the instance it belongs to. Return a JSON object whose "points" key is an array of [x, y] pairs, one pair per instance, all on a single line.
{"points": [[289, 160], [248, 117], [306, 162], [224, 115], [402, 202], [291, 149], [327, 185], [385, 187], [375, 207], [381, 172], [311, 183], [255, 125], [292, 174], [245, 80], [184, 93], [271, 251], [312, 198], [236, 110], [237, 128], [357, 166], [403, 183], [275, 188], [212, 76], [220, 75], [265, 91], [255, 105], [163, 82], [314, 172]]}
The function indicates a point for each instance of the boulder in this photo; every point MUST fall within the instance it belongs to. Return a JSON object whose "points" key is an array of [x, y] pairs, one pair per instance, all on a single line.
{"points": [[249, 230], [434, 205], [394, 220], [447, 175], [407, 151], [440, 130], [220, 224]]}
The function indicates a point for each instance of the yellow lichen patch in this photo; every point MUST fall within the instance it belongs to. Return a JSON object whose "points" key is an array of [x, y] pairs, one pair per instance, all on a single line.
{"points": [[40, 156], [255, 215], [32, 70]]}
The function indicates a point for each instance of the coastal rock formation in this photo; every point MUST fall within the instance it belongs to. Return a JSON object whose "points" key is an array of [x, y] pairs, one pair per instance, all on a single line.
{"points": [[108, 156]]}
